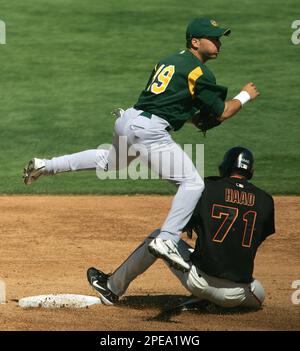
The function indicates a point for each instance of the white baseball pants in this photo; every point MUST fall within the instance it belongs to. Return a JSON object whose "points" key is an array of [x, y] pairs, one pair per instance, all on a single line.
{"points": [[156, 149]]}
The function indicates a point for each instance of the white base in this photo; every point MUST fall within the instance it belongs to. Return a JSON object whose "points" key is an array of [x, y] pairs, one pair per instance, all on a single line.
{"points": [[59, 301]]}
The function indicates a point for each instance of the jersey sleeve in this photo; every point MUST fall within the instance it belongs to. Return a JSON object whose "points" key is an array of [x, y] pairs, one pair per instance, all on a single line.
{"points": [[269, 223], [210, 96]]}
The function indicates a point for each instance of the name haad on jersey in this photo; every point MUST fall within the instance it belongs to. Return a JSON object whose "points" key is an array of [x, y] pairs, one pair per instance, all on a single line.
{"points": [[236, 196]]}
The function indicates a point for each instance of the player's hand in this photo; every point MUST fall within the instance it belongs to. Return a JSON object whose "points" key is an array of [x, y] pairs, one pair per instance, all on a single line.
{"points": [[251, 89]]}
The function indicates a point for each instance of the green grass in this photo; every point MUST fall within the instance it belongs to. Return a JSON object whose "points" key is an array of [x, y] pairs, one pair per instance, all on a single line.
{"points": [[68, 63]]}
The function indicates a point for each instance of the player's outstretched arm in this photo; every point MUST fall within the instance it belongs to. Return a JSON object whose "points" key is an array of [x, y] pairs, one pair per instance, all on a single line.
{"points": [[248, 93]]}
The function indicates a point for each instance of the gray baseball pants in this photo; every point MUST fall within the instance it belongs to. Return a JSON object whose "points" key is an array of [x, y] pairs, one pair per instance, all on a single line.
{"points": [[222, 292]]}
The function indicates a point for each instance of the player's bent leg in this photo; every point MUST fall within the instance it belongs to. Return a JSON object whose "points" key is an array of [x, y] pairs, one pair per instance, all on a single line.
{"points": [[210, 288], [223, 292]]}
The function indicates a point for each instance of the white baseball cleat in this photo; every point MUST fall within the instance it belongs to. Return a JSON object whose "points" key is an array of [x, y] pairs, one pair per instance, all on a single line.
{"points": [[167, 250], [34, 169]]}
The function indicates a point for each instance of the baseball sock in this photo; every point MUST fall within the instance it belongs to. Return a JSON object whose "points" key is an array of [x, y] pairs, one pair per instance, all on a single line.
{"points": [[89, 159]]}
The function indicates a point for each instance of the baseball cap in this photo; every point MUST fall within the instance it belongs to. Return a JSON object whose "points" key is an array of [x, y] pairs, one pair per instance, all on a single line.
{"points": [[205, 27]]}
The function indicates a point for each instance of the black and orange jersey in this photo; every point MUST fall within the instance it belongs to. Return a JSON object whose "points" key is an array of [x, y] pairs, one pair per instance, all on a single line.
{"points": [[232, 218]]}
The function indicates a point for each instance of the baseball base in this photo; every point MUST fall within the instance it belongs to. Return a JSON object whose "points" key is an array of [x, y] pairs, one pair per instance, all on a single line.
{"points": [[59, 301]]}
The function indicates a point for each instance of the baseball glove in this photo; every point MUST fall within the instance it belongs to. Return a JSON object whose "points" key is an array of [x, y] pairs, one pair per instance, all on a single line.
{"points": [[204, 121]]}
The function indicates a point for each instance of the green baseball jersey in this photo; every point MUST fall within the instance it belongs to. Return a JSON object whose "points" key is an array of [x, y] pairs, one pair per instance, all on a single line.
{"points": [[179, 86]]}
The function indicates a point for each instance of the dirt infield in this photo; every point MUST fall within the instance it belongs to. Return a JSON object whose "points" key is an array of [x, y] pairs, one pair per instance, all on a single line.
{"points": [[47, 243]]}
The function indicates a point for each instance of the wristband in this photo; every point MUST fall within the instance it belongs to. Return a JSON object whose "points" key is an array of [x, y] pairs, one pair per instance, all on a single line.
{"points": [[243, 97]]}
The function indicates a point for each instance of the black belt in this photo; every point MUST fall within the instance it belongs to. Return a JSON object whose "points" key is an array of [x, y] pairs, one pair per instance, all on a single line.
{"points": [[149, 115]]}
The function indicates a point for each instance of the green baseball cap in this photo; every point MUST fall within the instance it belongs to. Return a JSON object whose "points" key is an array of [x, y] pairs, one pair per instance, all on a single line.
{"points": [[205, 27]]}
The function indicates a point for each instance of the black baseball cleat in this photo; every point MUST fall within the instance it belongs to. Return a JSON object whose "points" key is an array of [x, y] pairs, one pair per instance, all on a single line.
{"points": [[98, 280]]}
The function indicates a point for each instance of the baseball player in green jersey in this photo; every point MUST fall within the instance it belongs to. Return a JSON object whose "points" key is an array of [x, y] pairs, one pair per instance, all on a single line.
{"points": [[232, 218], [181, 88]]}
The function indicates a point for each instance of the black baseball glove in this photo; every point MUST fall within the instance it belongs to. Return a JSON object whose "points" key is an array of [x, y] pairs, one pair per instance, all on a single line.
{"points": [[204, 121]]}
